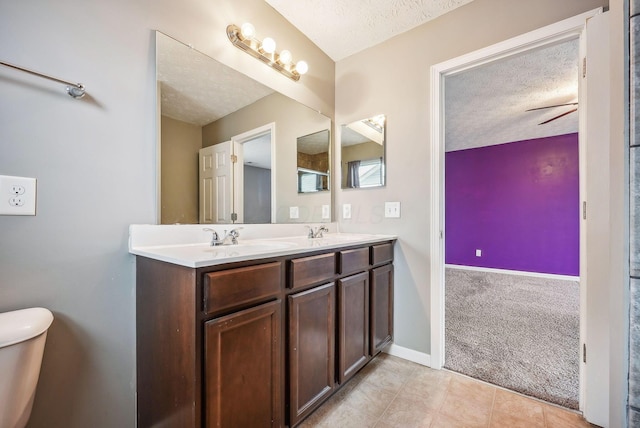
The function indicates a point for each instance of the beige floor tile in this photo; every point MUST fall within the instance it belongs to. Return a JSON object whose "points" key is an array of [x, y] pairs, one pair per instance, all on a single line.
{"points": [[510, 420], [472, 390], [507, 404], [427, 376], [556, 417], [392, 393], [400, 415], [345, 416], [421, 396], [469, 412], [385, 380], [369, 399], [443, 421]]}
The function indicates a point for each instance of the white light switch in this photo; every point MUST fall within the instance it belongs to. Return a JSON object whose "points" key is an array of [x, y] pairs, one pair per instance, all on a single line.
{"points": [[17, 195], [392, 209], [346, 210], [326, 212], [294, 212], [478, 253]]}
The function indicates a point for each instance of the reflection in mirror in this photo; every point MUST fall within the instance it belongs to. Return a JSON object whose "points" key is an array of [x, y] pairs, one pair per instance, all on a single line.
{"points": [[313, 162], [207, 106], [362, 154]]}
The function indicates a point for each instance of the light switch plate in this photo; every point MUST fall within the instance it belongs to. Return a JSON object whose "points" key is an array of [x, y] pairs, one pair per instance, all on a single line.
{"points": [[392, 209], [17, 195], [294, 212], [346, 210], [478, 253], [326, 212]]}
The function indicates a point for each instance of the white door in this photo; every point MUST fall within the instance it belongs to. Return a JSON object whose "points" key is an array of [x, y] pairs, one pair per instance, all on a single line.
{"points": [[594, 257], [216, 183]]}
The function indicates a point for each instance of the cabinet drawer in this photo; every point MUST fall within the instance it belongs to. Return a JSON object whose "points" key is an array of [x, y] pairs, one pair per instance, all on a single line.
{"points": [[382, 253], [352, 261], [237, 287], [310, 270]]}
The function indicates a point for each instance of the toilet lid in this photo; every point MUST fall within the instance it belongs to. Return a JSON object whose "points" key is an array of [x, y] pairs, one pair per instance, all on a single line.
{"points": [[24, 324]]}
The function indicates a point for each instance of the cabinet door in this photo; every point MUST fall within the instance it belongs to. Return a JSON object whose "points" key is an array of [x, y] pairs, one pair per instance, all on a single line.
{"points": [[242, 368], [311, 349], [353, 324], [381, 308]]}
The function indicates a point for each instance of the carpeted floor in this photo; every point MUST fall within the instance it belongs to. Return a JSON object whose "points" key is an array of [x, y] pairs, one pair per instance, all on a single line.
{"points": [[518, 332]]}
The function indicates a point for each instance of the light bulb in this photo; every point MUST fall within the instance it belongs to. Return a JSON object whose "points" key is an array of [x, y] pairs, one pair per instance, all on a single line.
{"points": [[269, 45], [302, 67], [285, 57], [247, 30]]}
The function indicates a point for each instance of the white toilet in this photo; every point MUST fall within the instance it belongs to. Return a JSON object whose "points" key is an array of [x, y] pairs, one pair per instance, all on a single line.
{"points": [[22, 337]]}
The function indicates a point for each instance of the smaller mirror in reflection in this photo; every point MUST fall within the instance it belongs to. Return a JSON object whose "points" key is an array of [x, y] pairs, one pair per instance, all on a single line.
{"points": [[363, 149], [313, 162]]}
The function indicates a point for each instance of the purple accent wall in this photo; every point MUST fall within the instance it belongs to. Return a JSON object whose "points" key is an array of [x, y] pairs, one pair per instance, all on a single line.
{"points": [[518, 203]]}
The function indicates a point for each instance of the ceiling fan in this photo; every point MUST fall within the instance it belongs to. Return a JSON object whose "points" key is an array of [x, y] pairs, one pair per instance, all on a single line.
{"points": [[558, 116]]}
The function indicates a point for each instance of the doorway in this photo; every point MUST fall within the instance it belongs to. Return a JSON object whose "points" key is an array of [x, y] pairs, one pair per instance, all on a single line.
{"points": [[236, 183], [512, 223], [591, 29]]}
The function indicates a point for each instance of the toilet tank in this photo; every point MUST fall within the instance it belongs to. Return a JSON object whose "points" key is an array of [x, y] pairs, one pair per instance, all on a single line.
{"points": [[22, 337]]}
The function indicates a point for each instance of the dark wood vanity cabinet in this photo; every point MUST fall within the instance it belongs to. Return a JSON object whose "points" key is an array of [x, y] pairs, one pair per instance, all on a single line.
{"points": [[259, 343], [311, 349], [381, 308], [353, 325], [243, 365]]}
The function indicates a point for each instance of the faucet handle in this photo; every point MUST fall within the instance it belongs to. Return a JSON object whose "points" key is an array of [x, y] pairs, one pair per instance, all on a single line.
{"points": [[214, 237], [312, 232], [321, 230]]}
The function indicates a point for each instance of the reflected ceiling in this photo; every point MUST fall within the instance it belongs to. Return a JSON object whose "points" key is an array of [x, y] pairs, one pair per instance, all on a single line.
{"points": [[198, 90]]}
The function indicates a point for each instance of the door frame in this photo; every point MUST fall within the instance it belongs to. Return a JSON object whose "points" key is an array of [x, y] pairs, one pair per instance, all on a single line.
{"points": [[238, 176], [568, 29]]}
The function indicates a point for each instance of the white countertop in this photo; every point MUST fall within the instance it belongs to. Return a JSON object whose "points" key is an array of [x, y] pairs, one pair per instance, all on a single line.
{"points": [[170, 244]]}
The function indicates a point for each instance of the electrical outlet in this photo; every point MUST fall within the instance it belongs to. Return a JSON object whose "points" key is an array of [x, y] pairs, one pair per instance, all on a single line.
{"points": [[326, 212], [17, 195], [478, 253], [294, 212], [392, 209], [346, 210]]}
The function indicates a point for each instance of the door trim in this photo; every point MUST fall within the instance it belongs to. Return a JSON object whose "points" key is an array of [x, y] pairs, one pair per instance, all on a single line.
{"points": [[238, 191], [567, 29]]}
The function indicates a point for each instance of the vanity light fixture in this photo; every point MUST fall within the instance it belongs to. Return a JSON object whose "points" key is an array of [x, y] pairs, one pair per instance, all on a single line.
{"points": [[265, 50]]}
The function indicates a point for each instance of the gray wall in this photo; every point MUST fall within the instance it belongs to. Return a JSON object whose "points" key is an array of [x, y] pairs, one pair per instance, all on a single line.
{"points": [[96, 168]]}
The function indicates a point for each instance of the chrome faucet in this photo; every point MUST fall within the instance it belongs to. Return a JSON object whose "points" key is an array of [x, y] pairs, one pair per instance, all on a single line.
{"points": [[230, 238], [316, 232]]}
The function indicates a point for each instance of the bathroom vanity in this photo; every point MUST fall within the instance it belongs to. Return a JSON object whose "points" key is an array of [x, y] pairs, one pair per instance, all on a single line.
{"points": [[262, 339]]}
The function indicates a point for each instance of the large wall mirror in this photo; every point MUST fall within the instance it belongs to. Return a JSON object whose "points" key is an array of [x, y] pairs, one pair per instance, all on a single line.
{"points": [[228, 149], [363, 153]]}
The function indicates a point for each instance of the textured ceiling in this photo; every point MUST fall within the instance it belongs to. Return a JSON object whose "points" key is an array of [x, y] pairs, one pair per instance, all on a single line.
{"points": [[344, 27], [487, 105], [198, 89]]}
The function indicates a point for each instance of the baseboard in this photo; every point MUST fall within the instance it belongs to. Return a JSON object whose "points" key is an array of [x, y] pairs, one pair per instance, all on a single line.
{"points": [[515, 272], [408, 354]]}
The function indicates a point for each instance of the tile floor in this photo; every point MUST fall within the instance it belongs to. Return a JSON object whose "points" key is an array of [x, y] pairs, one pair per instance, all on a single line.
{"points": [[392, 392]]}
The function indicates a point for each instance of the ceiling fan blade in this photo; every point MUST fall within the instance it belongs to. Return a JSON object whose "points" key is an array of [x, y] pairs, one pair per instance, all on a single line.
{"points": [[557, 105], [558, 116]]}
